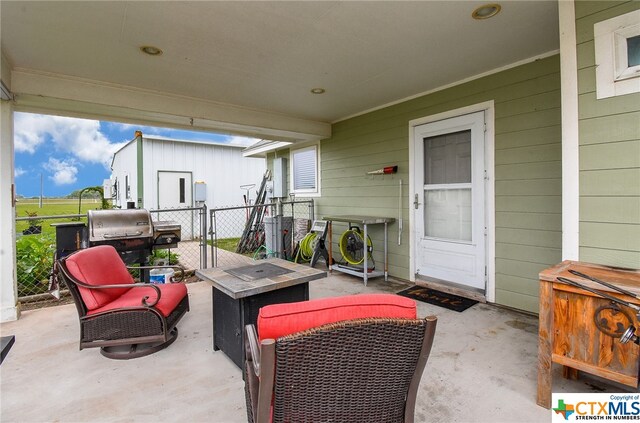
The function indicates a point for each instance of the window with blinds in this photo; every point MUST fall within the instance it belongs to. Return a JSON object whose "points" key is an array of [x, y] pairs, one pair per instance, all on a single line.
{"points": [[304, 170]]}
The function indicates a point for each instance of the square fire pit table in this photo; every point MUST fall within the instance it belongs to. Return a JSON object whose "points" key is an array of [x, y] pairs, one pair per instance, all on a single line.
{"points": [[239, 292]]}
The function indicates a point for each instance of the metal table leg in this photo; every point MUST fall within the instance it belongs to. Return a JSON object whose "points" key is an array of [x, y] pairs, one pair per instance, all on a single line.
{"points": [[386, 266], [365, 270]]}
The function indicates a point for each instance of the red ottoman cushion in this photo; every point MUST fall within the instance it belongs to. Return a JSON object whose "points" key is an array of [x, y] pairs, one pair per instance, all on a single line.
{"points": [[170, 297], [278, 320]]}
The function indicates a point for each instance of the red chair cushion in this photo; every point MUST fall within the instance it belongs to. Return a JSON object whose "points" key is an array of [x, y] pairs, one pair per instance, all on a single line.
{"points": [[278, 320], [99, 265], [170, 297]]}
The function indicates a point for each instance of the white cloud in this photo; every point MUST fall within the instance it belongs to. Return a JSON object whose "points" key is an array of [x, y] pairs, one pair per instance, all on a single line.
{"points": [[79, 137], [28, 134], [64, 171], [18, 171], [237, 140]]}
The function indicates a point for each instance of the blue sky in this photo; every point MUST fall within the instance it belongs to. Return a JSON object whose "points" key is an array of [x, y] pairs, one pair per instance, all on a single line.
{"points": [[73, 153]]}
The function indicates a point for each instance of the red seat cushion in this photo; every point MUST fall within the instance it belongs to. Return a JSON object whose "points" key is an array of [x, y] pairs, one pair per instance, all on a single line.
{"points": [[99, 265], [278, 320], [170, 297]]}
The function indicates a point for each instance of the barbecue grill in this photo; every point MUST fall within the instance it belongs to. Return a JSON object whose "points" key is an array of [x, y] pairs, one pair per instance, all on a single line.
{"points": [[131, 232]]}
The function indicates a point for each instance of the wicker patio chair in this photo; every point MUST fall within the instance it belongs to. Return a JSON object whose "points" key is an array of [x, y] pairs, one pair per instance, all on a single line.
{"points": [[360, 370], [125, 319]]}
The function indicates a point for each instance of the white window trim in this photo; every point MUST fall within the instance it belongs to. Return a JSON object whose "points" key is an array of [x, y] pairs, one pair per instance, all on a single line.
{"points": [[305, 192], [614, 77]]}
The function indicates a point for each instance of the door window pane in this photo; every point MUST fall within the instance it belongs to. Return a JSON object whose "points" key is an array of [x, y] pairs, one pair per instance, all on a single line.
{"points": [[447, 214], [447, 158], [182, 190]]}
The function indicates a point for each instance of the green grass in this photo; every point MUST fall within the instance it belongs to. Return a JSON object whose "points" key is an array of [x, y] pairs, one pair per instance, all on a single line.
{"points": [[228, 244], [52, 207]]}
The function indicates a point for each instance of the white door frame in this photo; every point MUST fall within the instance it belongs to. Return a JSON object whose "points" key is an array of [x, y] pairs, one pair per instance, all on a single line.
{"points": [[489, 109]]}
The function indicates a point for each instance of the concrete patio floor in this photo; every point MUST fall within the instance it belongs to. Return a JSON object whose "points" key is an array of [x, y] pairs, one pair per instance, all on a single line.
{"points": [[482, 368]]}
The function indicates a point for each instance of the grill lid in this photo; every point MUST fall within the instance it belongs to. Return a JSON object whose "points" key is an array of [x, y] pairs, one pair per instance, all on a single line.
{"points": [[107, 225], [166, 234]]}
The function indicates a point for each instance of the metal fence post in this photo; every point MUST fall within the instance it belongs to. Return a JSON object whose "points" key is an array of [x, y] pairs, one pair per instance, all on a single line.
{"points": [[213, 231], [203, 236]]}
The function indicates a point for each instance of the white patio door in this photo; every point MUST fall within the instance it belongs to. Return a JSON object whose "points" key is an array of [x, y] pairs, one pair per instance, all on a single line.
{"points": [[449, 202]]}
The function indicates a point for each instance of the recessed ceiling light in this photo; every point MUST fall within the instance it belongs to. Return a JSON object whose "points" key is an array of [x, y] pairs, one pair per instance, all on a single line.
{"points": [[151, 50], [487, 11], [317, 90]]}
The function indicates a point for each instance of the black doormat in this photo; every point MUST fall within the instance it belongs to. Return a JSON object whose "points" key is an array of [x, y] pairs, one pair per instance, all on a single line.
{"points": [[439, 298]]}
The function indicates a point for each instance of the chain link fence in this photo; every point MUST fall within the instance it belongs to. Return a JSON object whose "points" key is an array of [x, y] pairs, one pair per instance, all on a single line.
{"points": [[191, 252], [244, 233], [35, 253], [36, 248], [235, 237]]}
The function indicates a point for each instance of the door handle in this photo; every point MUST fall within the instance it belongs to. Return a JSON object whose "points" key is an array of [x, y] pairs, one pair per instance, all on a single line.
{"points": [[416, 203]]}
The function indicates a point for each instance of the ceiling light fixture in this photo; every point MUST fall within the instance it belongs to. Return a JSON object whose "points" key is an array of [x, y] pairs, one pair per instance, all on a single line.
{"points": [[151, 50], [486, 11], [317, 90]]}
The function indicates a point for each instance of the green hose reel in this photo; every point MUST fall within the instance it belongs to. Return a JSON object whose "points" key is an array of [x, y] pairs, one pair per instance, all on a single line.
{"points": [[352, 246], [312, 247]]}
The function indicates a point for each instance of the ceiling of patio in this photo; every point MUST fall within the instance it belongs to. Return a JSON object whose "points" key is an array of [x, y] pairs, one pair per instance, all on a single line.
{"points": [[269, 55]]}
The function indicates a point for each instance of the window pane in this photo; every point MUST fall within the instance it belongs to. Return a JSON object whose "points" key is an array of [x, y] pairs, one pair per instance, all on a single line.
{"points": [[633, 50], [447, 214], [182, 190], [304, 169], [447, 158]]}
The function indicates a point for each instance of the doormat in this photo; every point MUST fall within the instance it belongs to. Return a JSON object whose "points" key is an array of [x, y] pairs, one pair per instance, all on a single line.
{"points": [[439, 298]]}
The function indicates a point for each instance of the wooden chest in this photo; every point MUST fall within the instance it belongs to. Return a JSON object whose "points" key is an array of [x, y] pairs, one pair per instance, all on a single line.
{"points": [[580, 330]]}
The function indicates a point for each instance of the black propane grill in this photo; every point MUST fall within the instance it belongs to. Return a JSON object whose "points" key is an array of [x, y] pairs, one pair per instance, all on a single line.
{"points": [[130, 231]]}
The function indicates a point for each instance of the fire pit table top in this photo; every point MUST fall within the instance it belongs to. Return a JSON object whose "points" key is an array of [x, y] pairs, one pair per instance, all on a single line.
{"points": [[263, 276]]}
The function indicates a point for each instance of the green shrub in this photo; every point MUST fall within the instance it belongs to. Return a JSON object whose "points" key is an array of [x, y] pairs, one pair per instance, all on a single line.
{"points": [[34, 259], [164, 255]]}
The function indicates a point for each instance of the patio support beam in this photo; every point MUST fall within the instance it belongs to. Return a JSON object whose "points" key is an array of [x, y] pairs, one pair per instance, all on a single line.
{"points": [[71, 96], [8, 286], [570, 135]]}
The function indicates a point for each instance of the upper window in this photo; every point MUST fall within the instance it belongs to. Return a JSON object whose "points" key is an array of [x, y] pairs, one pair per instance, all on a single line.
{"points": [[617, 45], [305, 171], [127, 187]]}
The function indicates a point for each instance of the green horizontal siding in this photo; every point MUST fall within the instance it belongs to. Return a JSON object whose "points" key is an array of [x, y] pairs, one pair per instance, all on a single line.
{"points": [[528, 204], [520, 171], [586, 56], [529, 154], [517, 300], [539, 187], [609, 153], [586, 8], [614, 236], [540, 221], [528, 171], [529, 137], [610, 129], [532, 237], [607, 255], [589, 12], [520, 285], [610, 183], [610, 209]]}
